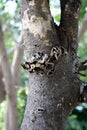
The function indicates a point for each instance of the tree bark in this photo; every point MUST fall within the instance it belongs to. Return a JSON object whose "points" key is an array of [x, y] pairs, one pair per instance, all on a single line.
{"points": [[51, 97]]}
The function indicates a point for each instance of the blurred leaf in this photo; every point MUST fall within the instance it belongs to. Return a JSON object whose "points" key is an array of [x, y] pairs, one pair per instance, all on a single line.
{"points": [[57, 17]]}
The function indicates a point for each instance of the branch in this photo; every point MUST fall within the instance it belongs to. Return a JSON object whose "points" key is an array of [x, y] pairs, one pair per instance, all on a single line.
{"points": [[83, 27], [70, 13], [5, 65], [80, 66], [83, 66], [69, 25], [18, 55], [84, 62]]}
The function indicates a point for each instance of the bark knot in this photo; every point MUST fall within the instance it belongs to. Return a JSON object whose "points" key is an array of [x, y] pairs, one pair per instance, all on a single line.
{"points": [[42, 63]]}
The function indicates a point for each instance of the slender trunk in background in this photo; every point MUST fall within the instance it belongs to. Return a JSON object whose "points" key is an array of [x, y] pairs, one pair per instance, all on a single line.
{"points": [[83, 27], [2, 86], [18, 55], [11, 114], [11, 82]]}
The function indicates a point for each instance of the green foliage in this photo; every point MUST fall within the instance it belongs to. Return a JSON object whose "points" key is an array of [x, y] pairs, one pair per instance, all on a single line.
{"points": [[24, 79], [22, 97], [57, 17], [82, 49], [82, 53], [10, 23], [2, 113], [78, 118], [83, 9]]}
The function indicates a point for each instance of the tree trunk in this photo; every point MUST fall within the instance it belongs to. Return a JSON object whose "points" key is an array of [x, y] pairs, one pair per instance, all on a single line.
{"points": [[11, 82], [51, 63], [2, 87], [11, 113]]}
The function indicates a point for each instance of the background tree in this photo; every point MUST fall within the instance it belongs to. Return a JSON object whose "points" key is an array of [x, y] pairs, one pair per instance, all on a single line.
{"points": [[11, 83], [10, 76]]}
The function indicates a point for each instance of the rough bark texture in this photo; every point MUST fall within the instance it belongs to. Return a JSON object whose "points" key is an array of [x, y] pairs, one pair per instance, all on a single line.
{"points": [[51, 97]]}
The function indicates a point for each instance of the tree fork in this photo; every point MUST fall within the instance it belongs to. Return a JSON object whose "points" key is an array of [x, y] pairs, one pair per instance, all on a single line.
{"points": [[50, 98]]}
